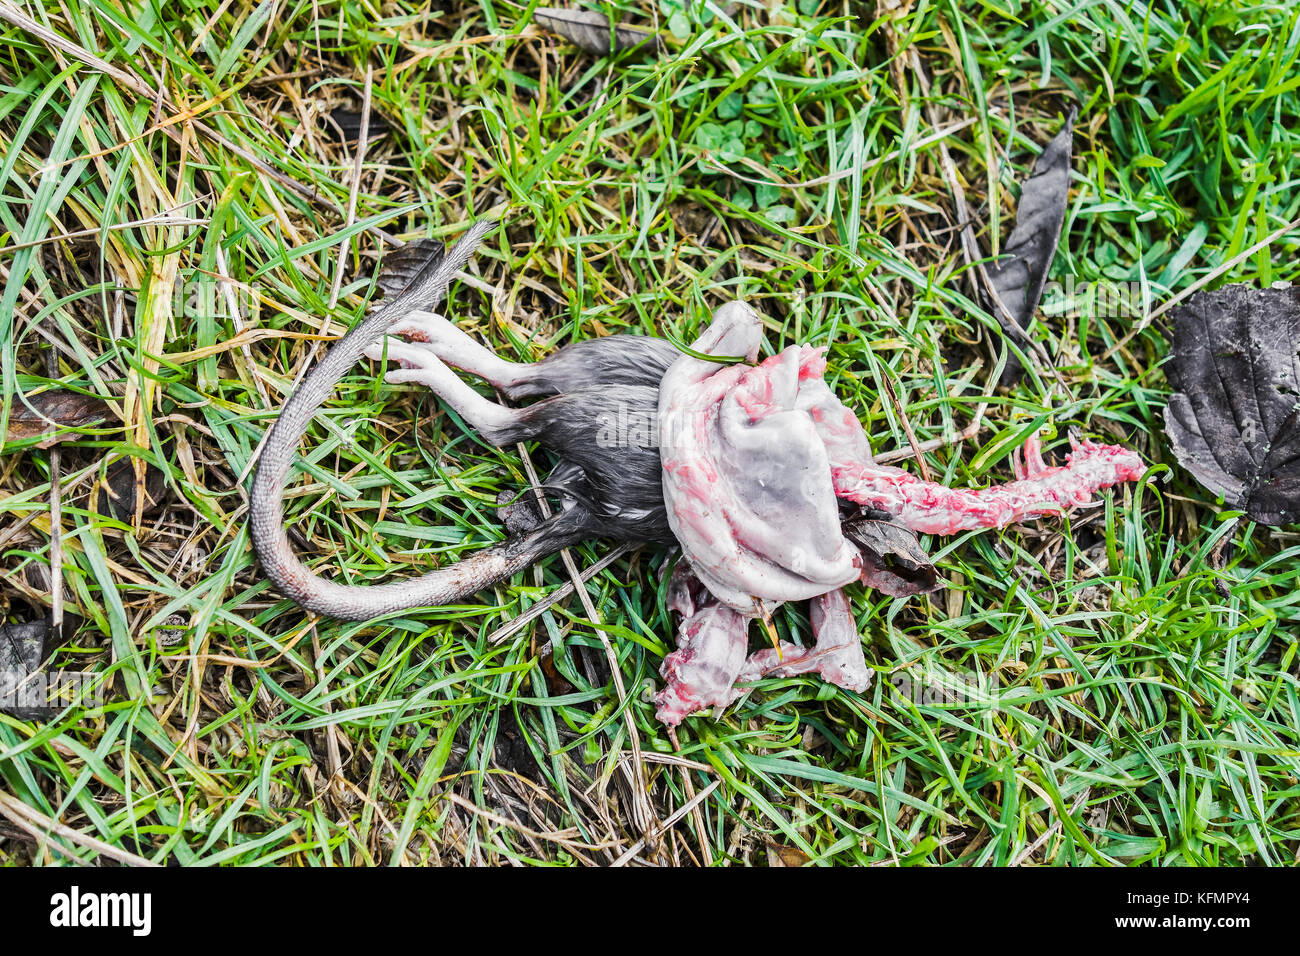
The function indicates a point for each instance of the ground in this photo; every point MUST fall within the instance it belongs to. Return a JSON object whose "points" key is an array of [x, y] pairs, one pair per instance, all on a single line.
{"points": [[185, 224]]}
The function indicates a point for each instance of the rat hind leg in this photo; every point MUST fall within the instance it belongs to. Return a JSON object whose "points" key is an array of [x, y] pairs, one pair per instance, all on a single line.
{"points": [[496, 423], [836, 657], [608, 360]]}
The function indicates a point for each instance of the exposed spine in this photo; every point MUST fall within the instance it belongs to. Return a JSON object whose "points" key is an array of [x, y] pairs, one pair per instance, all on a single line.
{"points": [[931, 508]]}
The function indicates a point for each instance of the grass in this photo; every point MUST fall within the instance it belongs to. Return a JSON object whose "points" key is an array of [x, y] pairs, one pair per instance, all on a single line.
{"points": [[1121, 686]]}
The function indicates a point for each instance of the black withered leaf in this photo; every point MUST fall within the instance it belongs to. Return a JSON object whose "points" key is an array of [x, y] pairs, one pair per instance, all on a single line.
{"points": [[22, 648], [402, 266], [591, 31], [1020, 274], [123, 492], [518, 512], [892, 560], [344, 126], [1234, 421]]}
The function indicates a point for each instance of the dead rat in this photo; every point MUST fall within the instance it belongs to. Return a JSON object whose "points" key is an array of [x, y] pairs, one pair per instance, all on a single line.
{"points": [[761, 475]]}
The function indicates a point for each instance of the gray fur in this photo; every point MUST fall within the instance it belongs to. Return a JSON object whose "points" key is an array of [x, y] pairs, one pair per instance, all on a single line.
{"points": [[611, 491], [612, 360]]}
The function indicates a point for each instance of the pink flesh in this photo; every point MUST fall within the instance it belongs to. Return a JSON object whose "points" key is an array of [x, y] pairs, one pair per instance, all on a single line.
{"points": [[710, 659], [747, 481], [753, 460], [837, 656], [931, 508], [702, 671]]}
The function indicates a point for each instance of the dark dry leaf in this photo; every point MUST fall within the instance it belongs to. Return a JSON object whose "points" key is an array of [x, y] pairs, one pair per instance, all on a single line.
{"points": [[403, 265], [344, 126], [38, 415], [892, 560], [1020, 274], [590, 30], [557, 685], [121, 491], [22, 648], [1233, 421]]}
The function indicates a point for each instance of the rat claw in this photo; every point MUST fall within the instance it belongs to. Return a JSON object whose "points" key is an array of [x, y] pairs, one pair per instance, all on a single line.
{"points": [[408, 355], [1034, 464], [1018, 465]]}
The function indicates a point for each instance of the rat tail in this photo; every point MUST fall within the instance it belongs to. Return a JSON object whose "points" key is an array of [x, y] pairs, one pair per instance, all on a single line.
{"points": [[266, 500]]}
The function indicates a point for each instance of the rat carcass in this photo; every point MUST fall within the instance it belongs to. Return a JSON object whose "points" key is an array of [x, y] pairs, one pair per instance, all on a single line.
{"points": [[759, 473]]}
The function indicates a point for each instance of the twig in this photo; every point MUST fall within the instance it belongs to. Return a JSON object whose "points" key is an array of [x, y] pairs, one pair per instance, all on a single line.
{"points": [[56, 519], [41, 826], [560, 593], [11, 14], [969, 246], [907, 428], [1049, 832], [164, 218], [1199, 284], [680, 812], [931, 444]]}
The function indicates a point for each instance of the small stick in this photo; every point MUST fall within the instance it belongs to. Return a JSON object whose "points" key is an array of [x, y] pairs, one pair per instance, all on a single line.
{"points": [[41, 827], [932, 444], [688, 807], [1199, 284], [907, 428], [555, 596], [693, 802], [969, 247]]}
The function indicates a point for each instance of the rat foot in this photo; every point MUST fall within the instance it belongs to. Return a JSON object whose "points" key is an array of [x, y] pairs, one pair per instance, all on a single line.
{"points": [[702, 671], [420, 365], [710, 658], [457, 349], [609, 360]]}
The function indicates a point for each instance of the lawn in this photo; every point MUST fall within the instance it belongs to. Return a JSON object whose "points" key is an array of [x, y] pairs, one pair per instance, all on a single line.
{"points": [[188, 215]]}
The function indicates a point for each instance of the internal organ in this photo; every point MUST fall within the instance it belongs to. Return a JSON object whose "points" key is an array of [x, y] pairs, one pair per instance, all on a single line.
{"points": [[747, 480], [754, 459]]}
